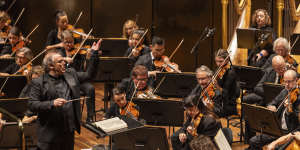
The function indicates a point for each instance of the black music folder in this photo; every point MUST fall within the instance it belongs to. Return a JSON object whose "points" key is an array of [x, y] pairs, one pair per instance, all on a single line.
{"points": [[13, 86], [248, 76], [175, 84], [16, 106], [271, 90], [161, 112], [113, 69], [4, 62], [248, 38], [145, 138], [112, 47], [295, 44], [261, 119]]}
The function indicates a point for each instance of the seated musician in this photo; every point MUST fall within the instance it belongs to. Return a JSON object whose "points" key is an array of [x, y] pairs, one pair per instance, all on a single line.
{"points": [[272, 74], [14, 37], [198, 123], [157, 50], [282, 141], [286, 110], [258, 56], [282, 47], [23, 56], [36, 72], [138, 80], [213, 102], [54, 39], [140, 49], [121, 105], [79, 64], [4, 25], [228, 82], [128, 27]]}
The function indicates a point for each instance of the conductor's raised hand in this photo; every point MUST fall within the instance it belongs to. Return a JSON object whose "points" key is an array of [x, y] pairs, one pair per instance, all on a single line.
{"points": [[59, 102], [96, 46]]}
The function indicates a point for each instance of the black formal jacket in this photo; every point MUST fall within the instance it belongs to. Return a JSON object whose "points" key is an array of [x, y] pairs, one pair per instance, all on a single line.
{"points": [[52, 38], [217, 99], [146, 61], [230, 87], [12, 68], [291, 118], [208, 126], [7, 49], [78, 62], [269, 76], [42, 95], [269, 62]]}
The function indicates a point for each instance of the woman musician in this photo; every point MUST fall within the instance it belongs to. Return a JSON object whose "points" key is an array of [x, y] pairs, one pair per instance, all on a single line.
{"points": [[122, 106], [15, 42], [198, 123]]}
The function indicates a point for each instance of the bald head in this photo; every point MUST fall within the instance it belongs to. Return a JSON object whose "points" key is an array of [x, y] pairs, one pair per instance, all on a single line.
{"points": [[290, 79], [278, 64]]}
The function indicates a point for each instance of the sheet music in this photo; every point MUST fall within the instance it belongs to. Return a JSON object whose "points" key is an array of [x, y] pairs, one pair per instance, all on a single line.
{"points": [[112, 124], [221, 141]]}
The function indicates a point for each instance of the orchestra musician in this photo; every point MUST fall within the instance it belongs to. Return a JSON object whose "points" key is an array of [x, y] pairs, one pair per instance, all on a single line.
{"points": [[197, 123], [258, 56], [272, 74], [50, 95], [4, 25], [79, 64], [122, 105], [138, 80], [286, 109], [140, 49], [128, 27], [54, 39], [15, 42], [212, 100], [36, 72], [228, 82], [23, 56], [282, 47]]}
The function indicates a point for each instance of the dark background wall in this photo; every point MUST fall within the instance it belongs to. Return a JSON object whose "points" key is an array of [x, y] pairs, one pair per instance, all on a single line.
{"points": [[172, 20]]}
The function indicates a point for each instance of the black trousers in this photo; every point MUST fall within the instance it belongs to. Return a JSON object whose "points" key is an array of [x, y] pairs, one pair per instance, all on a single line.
{"points": [[67, 143], [177, 145], [258, 141], [88, 89]]}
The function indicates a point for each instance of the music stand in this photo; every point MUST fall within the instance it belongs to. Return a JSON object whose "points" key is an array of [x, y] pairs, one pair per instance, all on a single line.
{"points": [[161, 112], [13, 86], [4, 62], [145, 138], [8, 138], [248, 38], [248, 77], [262, 120], [16, 106], [175, 84], [111, 47], [111, 70], [271, 90], [295, 44]]}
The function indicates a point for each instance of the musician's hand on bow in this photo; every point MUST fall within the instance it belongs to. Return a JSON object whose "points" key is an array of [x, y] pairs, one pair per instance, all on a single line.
{"points": [[2, 122], [152, 73], [297, 136], [135, 52], [59, 102], [208, 103], [271, 146], [4, 74], [271, 107], [6, 56], [182, 137]]}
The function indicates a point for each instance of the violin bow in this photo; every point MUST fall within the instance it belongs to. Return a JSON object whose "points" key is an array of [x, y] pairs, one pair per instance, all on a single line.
{"points": [[26, 38], [11, 4], [162, 80], [81, 44], [139, 42], [23, 67], [79, 16], [134, 92], [19, 16]]}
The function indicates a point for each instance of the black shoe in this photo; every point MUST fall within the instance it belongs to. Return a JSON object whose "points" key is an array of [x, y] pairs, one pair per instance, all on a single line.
{"points": [[89, 120]]}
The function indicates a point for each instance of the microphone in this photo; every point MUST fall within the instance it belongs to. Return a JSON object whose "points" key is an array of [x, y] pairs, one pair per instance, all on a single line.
{"points": [[201, 38], [210, 32]]}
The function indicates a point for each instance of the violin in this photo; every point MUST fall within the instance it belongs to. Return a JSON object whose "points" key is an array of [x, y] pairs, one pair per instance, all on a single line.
{"points": [[195, 123], [290, 62], [83, 50], [290, 98], [25, 70], [148, 93], [168, 67], [130, 110], [77, 32]]}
